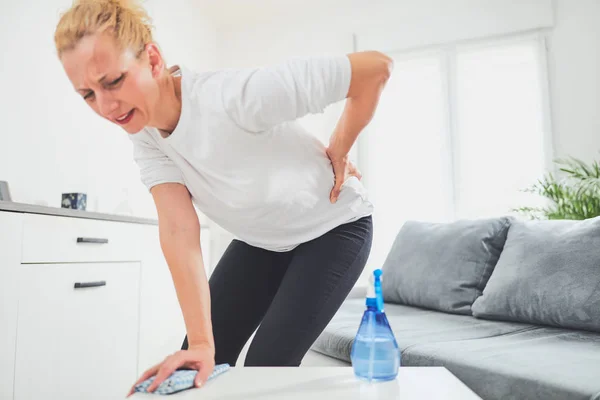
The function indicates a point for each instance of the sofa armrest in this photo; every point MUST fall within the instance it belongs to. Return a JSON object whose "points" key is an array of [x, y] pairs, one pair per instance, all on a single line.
{"points": [[358, 292]]}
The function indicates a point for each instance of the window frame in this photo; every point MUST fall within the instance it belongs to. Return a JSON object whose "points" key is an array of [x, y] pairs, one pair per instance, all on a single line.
{"points": [[448, 56]]}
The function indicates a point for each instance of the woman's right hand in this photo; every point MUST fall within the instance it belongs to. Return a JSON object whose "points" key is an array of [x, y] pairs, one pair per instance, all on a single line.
{"points": [[197, 357]]}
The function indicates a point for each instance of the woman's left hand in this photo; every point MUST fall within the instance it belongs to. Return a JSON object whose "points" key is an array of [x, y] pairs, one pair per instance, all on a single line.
{"points": [[342, 169]]}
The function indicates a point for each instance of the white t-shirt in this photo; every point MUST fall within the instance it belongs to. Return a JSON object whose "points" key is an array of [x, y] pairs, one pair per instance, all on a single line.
{"points": [[248, 165]]}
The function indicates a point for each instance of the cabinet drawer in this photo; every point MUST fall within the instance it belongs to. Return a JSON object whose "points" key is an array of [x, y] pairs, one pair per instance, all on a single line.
{"points": [[77, 343], [49, 239]]}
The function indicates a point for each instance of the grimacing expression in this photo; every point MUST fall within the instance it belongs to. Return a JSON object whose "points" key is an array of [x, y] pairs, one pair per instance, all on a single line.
{"points": [[117, 85]]}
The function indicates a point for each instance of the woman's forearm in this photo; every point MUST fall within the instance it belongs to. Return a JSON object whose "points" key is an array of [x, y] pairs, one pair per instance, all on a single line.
{"points": [[358, 112], [370, 73], [184, 257]]}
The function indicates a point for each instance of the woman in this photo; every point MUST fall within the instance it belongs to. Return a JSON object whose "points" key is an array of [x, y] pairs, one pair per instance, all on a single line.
{"points": [[227, 142]]}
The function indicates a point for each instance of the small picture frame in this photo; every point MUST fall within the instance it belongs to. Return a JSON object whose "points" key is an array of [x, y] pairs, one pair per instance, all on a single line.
{"points": [[4, 191]]}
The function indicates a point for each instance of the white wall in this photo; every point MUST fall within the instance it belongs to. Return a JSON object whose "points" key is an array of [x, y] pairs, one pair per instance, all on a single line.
{"points": [[574, 63], [51, 141], [295, 28]]}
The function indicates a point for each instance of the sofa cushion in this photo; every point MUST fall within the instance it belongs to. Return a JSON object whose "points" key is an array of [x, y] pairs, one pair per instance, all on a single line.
{"points": [[411, 326], [443, 266], [548, 273], [543, 363]]}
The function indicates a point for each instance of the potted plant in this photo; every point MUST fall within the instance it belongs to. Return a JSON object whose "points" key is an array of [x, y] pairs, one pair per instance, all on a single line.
{"points": [[573, 195]]}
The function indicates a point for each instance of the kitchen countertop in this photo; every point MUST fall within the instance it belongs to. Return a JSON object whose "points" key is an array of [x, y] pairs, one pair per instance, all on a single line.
{"points": [[66, 212]]}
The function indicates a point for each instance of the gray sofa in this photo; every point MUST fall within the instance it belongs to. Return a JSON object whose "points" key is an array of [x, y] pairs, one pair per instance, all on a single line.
{"points": [[510, 307]]}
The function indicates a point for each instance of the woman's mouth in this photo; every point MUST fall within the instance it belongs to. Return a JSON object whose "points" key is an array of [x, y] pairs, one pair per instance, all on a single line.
{"points": [[125, 118]]}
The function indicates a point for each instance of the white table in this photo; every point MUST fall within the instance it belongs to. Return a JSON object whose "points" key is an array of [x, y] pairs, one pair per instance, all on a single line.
{"points": [[325, 383]]}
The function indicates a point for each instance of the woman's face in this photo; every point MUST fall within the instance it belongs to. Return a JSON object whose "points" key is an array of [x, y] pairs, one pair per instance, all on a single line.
{"points": [[117, 85]]}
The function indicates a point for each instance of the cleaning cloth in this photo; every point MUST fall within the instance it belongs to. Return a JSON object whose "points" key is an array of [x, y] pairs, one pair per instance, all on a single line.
{"points": [[179, 380]]}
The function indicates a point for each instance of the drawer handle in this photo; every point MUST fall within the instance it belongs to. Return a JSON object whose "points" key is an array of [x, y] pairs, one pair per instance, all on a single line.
{"points": [[83, 285], [91, 240]]}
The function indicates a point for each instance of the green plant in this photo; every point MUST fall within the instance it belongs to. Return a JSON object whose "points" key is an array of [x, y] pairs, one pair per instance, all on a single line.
{"points": [[575, 195]]}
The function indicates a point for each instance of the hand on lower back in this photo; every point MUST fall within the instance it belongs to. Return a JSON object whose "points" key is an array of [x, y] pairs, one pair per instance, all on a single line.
{"points": [[200, 358], [342, 169]]}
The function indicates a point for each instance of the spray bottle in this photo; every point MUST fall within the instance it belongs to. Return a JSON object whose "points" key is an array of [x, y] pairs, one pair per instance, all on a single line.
{"points": [[375, 354]]}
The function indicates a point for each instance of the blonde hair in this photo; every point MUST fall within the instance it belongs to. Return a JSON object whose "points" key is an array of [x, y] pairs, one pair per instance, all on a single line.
{"points": [[126, 20]]}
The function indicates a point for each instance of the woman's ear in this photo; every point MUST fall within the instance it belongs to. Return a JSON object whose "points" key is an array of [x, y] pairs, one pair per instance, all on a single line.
{"points": [[155, 59]]}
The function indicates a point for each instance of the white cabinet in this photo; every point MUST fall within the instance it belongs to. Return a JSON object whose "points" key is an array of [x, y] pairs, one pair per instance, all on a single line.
{"points": [[10, 256], [77, 331], [48, 238], [86, 305]]}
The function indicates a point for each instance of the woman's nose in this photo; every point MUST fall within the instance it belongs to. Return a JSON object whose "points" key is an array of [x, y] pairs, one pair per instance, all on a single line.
{"points": [[107, 105]]}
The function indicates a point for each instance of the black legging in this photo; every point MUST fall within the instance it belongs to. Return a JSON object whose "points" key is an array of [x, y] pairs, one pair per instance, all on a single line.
{"points": [[292, 295]]}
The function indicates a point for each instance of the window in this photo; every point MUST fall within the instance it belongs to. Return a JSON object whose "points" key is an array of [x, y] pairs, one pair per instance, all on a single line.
{"points": [[500, 127], [459, 132]]}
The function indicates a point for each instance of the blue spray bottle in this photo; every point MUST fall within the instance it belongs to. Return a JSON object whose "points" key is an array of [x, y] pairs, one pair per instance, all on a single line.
{"points": [[375, 354]]}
